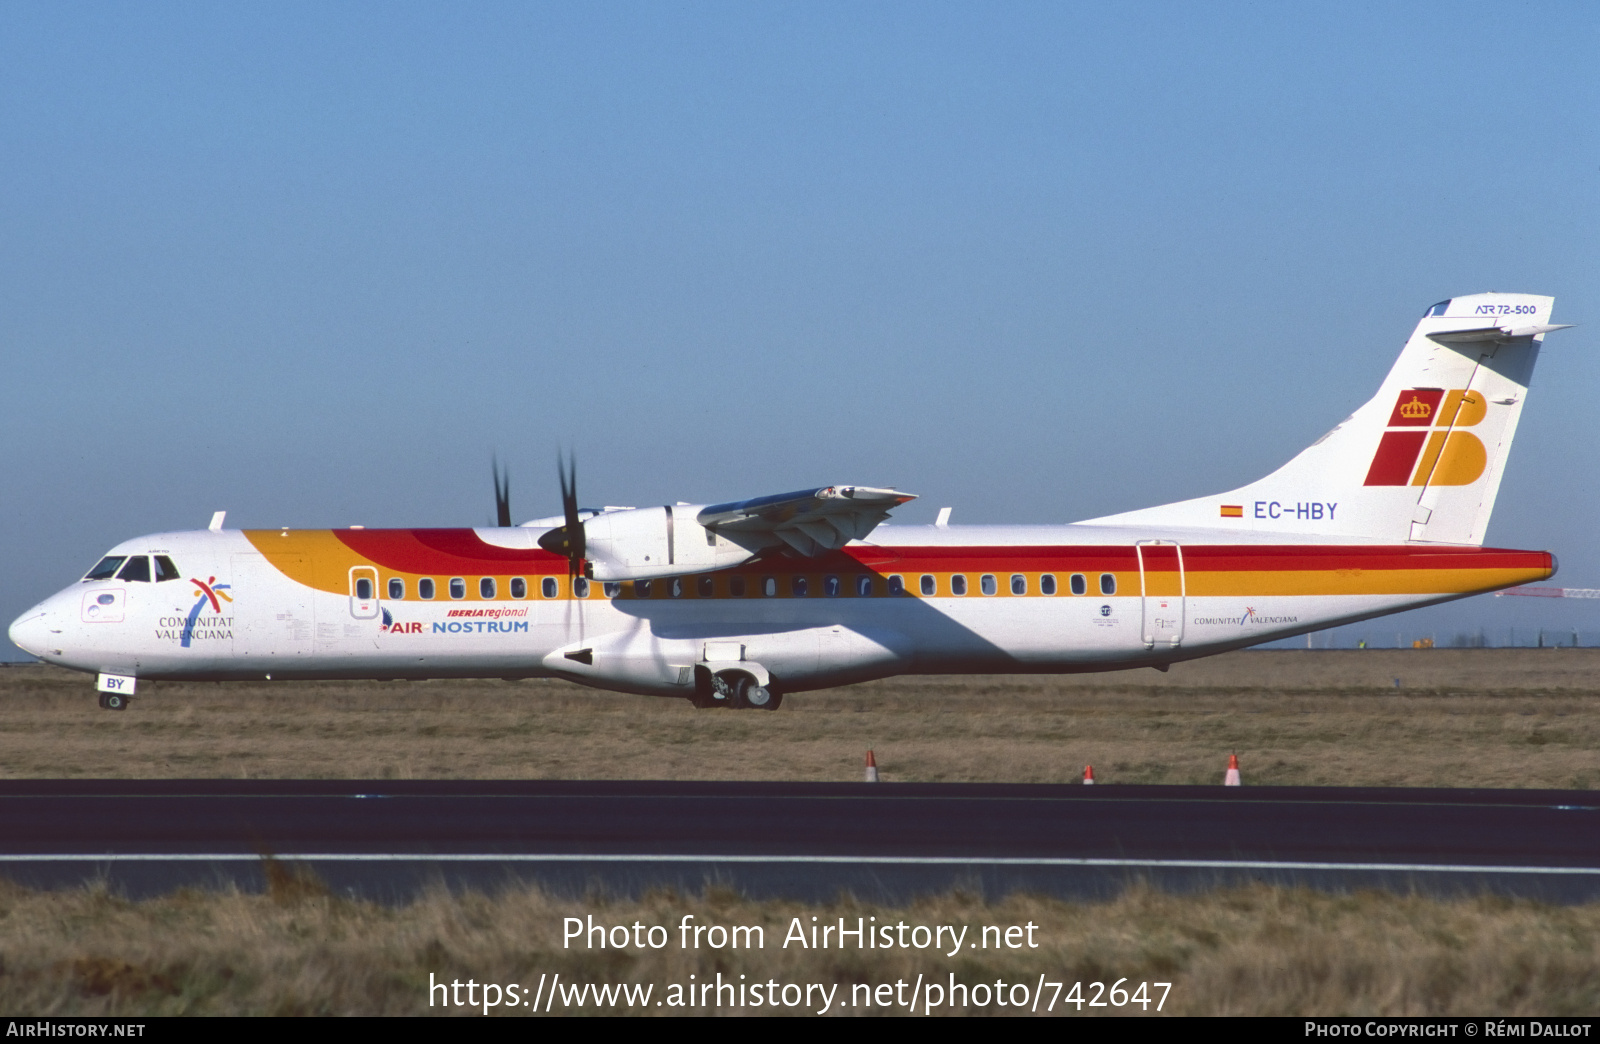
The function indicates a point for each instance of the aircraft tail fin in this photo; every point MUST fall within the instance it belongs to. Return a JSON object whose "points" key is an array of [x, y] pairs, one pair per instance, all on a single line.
{"points": [[1422, 460]]}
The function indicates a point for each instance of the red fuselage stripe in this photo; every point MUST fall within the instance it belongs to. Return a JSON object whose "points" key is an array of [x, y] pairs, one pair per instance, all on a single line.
{"points": [[460, 552]]}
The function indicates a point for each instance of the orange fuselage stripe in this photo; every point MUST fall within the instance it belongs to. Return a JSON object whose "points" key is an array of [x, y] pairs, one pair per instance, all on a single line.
{"points": [[323, 560]]}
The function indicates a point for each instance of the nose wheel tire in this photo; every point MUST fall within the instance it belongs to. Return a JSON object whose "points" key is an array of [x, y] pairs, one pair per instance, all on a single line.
{"points": [[113, 701]]}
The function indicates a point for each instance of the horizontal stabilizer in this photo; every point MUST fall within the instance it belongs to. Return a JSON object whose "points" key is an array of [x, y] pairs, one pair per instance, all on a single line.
{"points": [[1495, 333]]}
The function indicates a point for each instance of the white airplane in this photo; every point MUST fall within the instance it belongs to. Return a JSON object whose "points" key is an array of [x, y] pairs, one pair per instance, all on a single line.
{"points": [[737, 604]]}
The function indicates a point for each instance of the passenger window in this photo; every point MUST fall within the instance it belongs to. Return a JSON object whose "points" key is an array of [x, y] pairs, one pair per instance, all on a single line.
{"points": [[897, 585], [364, 588], [397, 588], [611, 589], [165, 570], [797, 586], [1079, 584], [519, 587], [769, 586], [1019, 584], [458, 587], [486, 587], [958, 584], [1047, 584], [677, 588], [641, 589], [107, 568], [706, 587], [1108, 584], [830, 586], [549, 587], [863, 587], [136, 571], [425, 588], [929, 584], [580, 587], [736, 586], [988, 585]]}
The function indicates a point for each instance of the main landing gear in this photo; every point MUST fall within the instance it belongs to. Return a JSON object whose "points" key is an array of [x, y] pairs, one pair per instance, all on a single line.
{"points": [[735, 689], [113, 701]]}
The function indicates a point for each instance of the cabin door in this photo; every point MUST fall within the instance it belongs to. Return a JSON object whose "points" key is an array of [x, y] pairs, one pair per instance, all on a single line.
{"points": [[363, 592], [1163, 588]]}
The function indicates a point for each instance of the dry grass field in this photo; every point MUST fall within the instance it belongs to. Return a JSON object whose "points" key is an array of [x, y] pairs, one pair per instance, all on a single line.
{"points": [[1459, 718], [1251, 951], [1497, 718]]}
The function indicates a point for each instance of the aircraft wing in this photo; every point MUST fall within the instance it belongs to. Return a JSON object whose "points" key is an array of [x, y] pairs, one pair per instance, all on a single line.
{"points": [[812, 521]]}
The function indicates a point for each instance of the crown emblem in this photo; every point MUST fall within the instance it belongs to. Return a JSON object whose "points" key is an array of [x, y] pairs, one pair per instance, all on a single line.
{"points": [[1415, 408]]}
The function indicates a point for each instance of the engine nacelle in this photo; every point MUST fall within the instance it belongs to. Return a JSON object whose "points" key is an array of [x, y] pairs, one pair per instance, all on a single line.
{"points": [[644, 543]]}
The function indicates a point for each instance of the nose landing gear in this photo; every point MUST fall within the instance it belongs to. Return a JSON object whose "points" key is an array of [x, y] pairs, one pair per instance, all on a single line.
{"points": [[113, 701]]}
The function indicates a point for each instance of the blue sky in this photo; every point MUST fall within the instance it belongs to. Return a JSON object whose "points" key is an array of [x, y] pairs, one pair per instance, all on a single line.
{"points": [[314, 263]]}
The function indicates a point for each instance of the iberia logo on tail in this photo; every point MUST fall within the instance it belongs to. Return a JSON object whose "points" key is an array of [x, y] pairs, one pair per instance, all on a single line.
{"points": [[1412, 455]]}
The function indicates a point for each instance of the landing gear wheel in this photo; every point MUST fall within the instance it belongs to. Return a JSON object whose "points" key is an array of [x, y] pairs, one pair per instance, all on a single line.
{"points": [[746, 694], [113, 701], [762, 698]]}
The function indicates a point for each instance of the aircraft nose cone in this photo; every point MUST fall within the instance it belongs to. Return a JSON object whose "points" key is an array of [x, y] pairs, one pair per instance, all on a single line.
{"points": [[30, 631]]}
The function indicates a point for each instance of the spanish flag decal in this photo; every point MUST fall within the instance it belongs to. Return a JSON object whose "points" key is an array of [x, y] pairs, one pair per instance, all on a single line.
{"points": [[1233, 511]]}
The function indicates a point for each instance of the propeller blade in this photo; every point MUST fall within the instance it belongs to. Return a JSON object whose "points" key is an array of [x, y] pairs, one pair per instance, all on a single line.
{"points": [[577, 539], [570, 539], [502, 493]]}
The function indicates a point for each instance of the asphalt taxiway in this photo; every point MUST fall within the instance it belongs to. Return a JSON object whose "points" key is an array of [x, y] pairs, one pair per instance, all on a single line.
{"points": [[387, 839]]}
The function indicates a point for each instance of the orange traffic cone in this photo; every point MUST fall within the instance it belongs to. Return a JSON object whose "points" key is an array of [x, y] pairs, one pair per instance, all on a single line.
{"points": [[872, 768], [1231, 778], [1088, 774]]}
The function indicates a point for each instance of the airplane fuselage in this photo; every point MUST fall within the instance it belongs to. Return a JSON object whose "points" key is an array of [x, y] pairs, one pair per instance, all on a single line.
{"points": [[742, 601], [437, 603]]}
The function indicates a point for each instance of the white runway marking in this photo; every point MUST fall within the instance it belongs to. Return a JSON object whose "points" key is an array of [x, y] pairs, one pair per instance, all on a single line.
{"points": [[520, 857]]}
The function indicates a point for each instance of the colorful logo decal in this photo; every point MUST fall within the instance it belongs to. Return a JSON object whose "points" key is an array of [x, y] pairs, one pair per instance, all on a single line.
{"points": [[1446, 456], [207, 592], [210, 591], [1232, 510]]}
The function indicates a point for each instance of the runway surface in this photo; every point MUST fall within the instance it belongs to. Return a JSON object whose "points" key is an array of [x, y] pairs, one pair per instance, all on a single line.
{"points": [[386, 840]]}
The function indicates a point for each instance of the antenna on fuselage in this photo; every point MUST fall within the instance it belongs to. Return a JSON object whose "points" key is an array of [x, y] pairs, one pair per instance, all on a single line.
{"points": [[216, 521]]}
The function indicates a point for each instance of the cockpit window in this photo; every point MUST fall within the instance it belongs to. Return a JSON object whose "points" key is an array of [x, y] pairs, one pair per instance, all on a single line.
{"points": [[107, 567], [165, 570], [136, 571], [1438, 309]]}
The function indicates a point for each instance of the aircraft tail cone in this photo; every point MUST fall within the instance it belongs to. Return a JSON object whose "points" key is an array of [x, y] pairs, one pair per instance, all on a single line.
{"points": [[872, 768], [1088, 774], [1231, 777]]}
